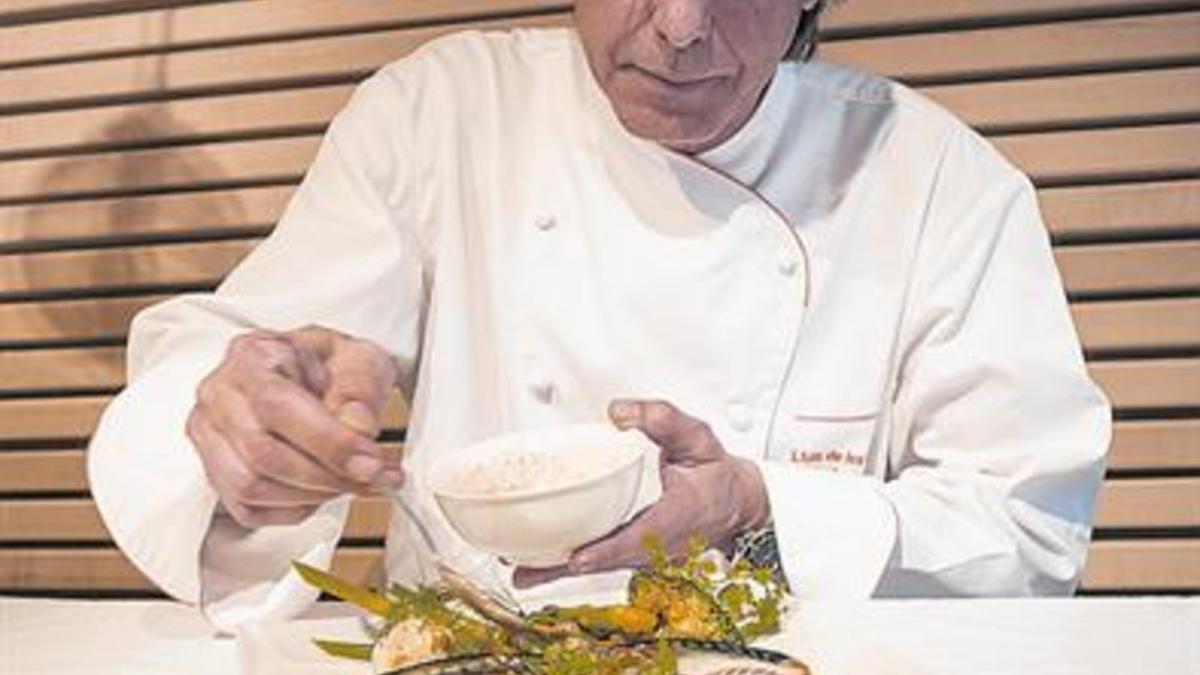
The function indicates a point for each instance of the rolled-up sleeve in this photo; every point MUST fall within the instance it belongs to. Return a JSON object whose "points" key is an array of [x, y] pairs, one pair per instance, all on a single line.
{"points": [[349, 253]]}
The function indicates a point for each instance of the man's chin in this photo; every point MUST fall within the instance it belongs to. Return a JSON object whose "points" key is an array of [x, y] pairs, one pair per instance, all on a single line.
{"points": [[675, 132]]}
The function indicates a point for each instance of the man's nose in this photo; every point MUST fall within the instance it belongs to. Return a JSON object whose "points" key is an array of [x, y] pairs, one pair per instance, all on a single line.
{"points": [[682, 23]]}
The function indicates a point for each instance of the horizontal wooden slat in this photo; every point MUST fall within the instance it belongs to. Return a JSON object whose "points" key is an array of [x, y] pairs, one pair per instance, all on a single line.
{"points": [[1091, 211], [1137, 445], [1122, 210], [74, 368], [268, 65], [58, 569], [192, 27], [129, 218], [279, 19], [1113, 565], [1050, 48], [276, 159], [1105, 154], [29, 520], [1056, 101], [1074, 100], [34, 471], [106, 569], [1099, 43], [204, 263], [78, 520], [49, 418], [1168, 564], [189, 119], [874, 15], [368, 518], [1142, 325], [31, 472], [1162, 383], [1155, 445], [56, 10], [1076, 155], [1149, 502], [76, 416], [1110, 268], [879, 15], [1132, 384], [1044, 102], [1126, 268], [1145, 503], [70, 320], [1137, 325], [1155, 383]]}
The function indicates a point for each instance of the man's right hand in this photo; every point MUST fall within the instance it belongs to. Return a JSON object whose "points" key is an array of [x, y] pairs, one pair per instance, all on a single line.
{"points": [[287, 421]]}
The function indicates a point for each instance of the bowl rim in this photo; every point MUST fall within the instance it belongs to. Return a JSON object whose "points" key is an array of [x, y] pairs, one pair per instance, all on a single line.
{"points": [[635, 457]]}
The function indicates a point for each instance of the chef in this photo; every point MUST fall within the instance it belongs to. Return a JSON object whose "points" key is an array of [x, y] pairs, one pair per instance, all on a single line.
{"points": [[831, 305]]}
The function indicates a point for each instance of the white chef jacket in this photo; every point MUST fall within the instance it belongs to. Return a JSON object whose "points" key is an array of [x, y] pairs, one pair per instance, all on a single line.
{"points": [[855, 291]]}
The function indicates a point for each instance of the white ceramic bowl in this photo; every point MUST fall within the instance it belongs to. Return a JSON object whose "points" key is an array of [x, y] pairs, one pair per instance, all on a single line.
{"points": [[541, 524]]}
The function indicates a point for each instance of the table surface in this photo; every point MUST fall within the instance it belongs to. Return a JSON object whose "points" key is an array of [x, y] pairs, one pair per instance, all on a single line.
{"points": [[1092, 636]]}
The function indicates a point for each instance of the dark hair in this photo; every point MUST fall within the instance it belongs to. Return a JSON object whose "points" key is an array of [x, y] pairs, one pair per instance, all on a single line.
{"points": [[804, 44]]}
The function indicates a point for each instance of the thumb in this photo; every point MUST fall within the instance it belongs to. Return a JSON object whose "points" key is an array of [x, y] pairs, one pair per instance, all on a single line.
{"points": [[682, 438], [362, 376]]}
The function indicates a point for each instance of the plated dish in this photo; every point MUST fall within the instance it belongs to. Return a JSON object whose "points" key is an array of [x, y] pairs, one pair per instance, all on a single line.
{"points": [[673, 612]]}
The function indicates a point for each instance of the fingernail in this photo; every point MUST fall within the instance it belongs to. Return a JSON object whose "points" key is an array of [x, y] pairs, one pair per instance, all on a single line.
{"points": [[394, 478], [358, 417], [363, 468], [622, 412]]}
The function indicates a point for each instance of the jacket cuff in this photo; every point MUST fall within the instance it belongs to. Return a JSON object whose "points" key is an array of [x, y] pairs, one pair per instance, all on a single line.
{"points": [[247, 575], [146, 479], [835, 532]]}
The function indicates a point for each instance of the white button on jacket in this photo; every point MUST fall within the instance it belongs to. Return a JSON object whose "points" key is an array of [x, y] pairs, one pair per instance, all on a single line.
{"points": [[866, 274]]}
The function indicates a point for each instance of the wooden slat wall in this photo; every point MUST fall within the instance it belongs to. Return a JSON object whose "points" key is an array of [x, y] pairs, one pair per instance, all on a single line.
{"points": [[135, 162]]}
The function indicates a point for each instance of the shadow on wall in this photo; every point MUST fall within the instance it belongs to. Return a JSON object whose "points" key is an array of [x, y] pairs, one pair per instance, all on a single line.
{"points": [[133, 236]]}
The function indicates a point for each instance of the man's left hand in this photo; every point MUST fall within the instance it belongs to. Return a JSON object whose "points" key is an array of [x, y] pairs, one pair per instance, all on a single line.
{"points": [[705, 491]]}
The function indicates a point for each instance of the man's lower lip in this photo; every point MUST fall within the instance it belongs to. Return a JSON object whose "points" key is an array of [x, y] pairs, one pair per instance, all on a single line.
{"points": [[675, 84]]}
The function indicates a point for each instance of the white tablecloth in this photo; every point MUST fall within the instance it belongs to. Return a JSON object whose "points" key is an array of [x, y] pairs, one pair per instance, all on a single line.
{"points": [[1094, 636]]}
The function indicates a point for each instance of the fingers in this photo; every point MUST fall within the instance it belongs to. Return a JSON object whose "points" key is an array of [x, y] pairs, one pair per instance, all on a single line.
{"points": [[251, 499], [272, 448], [271, 370], [683, 439], [289, 411], [269, 457], [625, 548]]}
